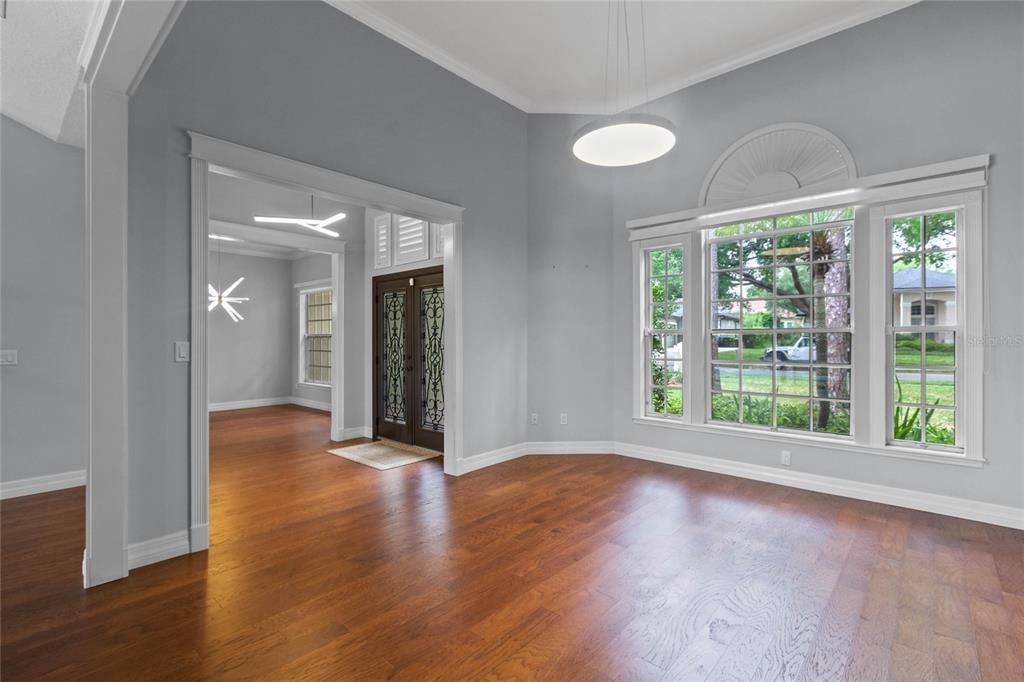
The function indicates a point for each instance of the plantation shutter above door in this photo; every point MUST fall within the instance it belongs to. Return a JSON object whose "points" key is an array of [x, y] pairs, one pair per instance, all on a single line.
{"points": [[382, 240], [411, 243]]}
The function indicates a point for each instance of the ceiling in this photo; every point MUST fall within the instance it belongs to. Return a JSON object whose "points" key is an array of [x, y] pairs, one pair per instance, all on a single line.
{"points": [[538, 55], [40, 41], [549, 56], [236, 200]]}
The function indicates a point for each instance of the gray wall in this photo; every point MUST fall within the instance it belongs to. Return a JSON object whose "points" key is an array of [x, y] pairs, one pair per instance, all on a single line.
{"points": [[45, 396], [930, 83], [370, 108], [570, 287], [253, 358]]}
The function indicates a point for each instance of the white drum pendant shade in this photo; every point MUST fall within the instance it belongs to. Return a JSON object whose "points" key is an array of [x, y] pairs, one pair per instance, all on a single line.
{"points": [[624, 140]]}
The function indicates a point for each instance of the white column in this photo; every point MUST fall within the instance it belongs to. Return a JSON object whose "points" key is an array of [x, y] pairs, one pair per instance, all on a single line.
{"points": [[338, 346], [199, 465], [106, 209]]}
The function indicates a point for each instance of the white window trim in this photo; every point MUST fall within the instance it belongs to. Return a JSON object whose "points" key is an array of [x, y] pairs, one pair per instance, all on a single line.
{"points": [[948, 184], [970, 327], [311, 288]]}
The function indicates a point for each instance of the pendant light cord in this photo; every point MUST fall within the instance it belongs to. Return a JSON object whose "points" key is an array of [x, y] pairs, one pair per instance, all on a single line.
{"points": [[621, 100], [643, 46]]}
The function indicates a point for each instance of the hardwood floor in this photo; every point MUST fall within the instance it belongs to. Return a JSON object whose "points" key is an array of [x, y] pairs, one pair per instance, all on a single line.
{"points": [[555, 568]]}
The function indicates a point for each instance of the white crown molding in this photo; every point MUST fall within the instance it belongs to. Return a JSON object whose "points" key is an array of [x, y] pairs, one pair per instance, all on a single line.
{"points": [[974, 510], [158, 549], [41, 484], [273, 237], [873, 10], [364, 13]]}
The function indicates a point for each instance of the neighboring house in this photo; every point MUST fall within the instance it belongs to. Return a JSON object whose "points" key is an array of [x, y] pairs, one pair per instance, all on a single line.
{"points": [[939, 304]]}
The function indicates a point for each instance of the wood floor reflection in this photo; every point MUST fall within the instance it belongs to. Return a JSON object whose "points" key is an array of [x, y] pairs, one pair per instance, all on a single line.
{"points": [[552, 567]]}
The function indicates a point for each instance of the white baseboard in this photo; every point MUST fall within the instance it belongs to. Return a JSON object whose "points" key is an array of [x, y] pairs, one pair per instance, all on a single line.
{"points": [[356, 432], [157, 549], [269, 402], [574, 447], [199, 538], [41, 484], [486, 459], [312, 404], [246, 404], [985, 512]]}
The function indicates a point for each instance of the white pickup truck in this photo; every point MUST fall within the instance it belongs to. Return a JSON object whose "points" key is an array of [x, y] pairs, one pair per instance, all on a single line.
{"points": [[798, 352]]}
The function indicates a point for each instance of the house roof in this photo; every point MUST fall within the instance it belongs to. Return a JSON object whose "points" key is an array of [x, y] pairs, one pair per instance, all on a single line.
{"points": [[934, 279]]}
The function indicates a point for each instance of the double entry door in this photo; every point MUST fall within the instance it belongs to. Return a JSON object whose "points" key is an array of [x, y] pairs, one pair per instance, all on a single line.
{"points": [[408, 357]]}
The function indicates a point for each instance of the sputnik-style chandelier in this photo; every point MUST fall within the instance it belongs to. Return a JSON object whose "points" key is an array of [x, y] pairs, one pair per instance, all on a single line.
{"points": [[631, 138], [309, 223], [224, 299]]}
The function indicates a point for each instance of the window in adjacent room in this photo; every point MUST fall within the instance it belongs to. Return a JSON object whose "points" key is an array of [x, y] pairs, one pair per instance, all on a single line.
{"points": [[316, 330]]}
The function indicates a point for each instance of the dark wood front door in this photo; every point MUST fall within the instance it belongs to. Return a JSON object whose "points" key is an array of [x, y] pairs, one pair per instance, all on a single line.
{"points": [[408, 363]]}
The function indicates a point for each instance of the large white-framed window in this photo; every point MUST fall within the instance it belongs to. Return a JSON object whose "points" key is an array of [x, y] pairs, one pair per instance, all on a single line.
{"points": [[315, 329], [840, 325], [664, 333], [780, 332], [933, 323]]}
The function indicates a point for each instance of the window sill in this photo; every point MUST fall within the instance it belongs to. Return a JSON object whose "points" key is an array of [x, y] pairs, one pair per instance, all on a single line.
{"points": [[314, 384], [828, 443]]}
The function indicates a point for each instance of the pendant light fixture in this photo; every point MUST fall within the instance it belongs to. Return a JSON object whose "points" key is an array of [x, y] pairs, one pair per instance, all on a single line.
{"points": [[623, 139], [311, 222], [224, 299]]}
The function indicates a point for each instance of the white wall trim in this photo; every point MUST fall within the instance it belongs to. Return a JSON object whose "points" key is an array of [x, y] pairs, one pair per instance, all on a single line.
{"points": [[269, 402], [576, 447], [235, 160], [974, 510], [311, 404], [357, 432], [364, 12], [41, 484], [210, 154], [158, 549], [486, 459], [934, 178]]}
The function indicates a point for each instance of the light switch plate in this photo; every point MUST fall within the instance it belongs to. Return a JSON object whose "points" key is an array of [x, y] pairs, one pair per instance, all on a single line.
{"points": [[8, 357], [182, 352]]}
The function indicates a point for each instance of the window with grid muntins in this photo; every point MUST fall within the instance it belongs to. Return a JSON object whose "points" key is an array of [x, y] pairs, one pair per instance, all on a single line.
{"points": [[780, 322], [664, 332], [318, 337], [923, 328]]}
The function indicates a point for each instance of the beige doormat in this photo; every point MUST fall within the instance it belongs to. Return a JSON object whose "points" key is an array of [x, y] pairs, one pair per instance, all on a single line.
{"points": [[385, 454]]}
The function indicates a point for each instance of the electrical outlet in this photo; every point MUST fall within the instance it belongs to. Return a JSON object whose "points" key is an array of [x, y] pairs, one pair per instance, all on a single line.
{"points": [[8, 357], [182, 351], [786, 458], [534, 419], [563, 419]]}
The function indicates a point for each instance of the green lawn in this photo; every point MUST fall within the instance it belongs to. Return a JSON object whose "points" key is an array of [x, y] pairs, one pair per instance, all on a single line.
{"points": [[903, 358]]}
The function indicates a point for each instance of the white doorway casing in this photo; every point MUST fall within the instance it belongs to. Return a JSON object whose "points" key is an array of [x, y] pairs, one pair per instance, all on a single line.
{"points": [[208, 155]]}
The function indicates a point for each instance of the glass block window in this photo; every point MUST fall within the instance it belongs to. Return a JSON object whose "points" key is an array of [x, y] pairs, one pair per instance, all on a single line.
{"points": [[780, 322], [924, 330], [317, 336], [663, 333]]}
